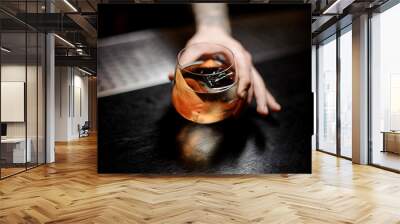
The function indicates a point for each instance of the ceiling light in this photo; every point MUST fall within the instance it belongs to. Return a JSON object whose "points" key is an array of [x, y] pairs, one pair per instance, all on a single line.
{"points": [[338, 6], [326, 11], [5, 50], [65, 41], [70, 5], [79, 51], [84, 71]]}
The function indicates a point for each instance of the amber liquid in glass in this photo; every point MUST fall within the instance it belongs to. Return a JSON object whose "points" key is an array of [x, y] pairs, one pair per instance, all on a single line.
{"points": [[205, 91]]}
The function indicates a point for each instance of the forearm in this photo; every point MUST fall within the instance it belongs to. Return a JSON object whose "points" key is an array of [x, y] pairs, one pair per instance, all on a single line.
{"points": [[211, 16]]}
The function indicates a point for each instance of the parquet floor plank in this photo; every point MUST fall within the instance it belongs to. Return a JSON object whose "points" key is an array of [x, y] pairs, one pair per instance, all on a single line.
{"points": [[71, 191]]}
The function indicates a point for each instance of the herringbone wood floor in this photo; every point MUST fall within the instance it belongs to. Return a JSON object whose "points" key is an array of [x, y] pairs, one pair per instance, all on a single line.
{"points": [[71, 191]]}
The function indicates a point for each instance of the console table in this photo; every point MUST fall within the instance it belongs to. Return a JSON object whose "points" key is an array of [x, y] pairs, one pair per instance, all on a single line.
{"points": [[391, 141], [13, 150]]}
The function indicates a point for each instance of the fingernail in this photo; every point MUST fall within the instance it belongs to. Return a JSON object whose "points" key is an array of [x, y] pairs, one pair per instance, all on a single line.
{"points": [[265, 109]]}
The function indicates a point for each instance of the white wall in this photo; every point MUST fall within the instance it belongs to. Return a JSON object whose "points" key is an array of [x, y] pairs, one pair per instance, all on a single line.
{"points": [[33, 126], [15, 72], [70, 83], [62, 82], [13, 101], [80, 98], [82, 81]]}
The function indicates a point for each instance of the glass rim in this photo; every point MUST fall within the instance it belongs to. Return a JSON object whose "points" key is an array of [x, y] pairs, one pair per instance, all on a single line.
{"points": [[181, 67]]}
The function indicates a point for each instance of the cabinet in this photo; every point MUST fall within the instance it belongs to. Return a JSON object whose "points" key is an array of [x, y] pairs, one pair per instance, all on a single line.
{"points": [[391, 141]]}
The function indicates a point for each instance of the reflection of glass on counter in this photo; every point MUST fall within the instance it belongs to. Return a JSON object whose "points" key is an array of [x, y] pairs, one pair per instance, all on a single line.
{"points": [[198, 144]]}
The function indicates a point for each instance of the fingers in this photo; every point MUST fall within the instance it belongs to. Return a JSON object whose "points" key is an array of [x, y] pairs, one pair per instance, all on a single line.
{"points": [[188, 57], [243, 61], [195, 52], [260, 93], [271, 102], [250, 94], [265, 100]]}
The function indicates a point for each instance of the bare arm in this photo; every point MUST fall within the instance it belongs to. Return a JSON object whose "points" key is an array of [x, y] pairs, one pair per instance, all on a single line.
{"points": [[211, 15], [212, 23]]}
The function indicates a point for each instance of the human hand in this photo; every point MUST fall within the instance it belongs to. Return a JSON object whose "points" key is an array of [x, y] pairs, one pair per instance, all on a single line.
{"points": [[250, 83]]}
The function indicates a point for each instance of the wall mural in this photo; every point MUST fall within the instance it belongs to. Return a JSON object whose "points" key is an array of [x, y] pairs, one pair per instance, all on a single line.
{"points": [[194, 89]]}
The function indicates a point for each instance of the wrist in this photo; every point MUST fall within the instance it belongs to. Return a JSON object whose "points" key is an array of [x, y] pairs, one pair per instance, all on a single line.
{"points": [[215, 29]]}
